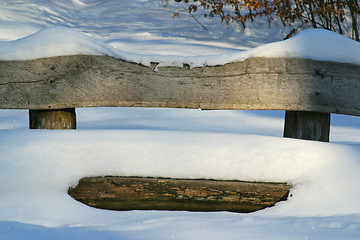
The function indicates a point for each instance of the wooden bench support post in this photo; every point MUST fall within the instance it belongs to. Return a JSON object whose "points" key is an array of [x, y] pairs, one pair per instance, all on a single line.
{"points": [[53, 119], [307, 125]]}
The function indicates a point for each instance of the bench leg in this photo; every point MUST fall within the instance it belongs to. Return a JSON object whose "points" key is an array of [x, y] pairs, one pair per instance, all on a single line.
{"points": [[52, 119], [307, 125]]}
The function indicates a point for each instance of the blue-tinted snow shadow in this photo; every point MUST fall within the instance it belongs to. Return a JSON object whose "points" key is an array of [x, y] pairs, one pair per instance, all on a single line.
{"points": [[21, 231], [176, 119], [345, 120], [236, 226], [225, 121], [14, 119]]}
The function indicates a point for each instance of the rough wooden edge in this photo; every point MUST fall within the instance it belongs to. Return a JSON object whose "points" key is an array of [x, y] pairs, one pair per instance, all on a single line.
{"points": [[256, 83], [131, 193]]}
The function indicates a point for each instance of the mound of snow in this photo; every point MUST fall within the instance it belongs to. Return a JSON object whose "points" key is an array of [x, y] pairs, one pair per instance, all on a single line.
{"points": [[55, 41], [314, 44]]}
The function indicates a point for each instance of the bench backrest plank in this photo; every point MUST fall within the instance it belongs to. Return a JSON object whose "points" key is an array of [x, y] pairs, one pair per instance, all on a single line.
{"points": [[256, 83]]}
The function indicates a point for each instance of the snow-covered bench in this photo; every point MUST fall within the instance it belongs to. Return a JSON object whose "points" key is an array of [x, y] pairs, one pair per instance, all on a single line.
{"points": [[308, 90]]}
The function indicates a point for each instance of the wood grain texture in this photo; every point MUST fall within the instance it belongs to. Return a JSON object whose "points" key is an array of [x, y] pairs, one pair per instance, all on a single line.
{"points": [[130, 193], [256, 83], [307, 125], [52, 119]]}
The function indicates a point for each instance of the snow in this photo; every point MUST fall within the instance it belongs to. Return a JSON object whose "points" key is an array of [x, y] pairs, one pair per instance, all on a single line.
{"points": [[38, 166], [70, 155], [152, 144], [316, 44]]}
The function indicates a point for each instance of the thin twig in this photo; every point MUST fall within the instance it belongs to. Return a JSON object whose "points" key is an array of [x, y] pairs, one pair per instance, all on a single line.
{"points": [[192, 15]]}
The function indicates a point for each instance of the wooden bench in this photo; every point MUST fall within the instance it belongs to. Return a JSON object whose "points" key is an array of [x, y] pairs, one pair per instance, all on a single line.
{"points": [[309, 91]]}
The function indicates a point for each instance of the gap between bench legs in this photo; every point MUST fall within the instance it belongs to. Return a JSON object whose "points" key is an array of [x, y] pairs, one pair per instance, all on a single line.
{"points": [[52, 119], [307, 125], [300, 125]]}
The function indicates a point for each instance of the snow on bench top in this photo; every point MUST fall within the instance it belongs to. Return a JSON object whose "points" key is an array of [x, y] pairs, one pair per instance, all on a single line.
{"points": [[315, 44]]}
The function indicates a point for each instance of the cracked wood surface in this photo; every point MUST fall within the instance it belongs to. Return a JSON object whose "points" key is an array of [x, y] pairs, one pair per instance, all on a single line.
{"points": [[256, 83], [131, 193]]}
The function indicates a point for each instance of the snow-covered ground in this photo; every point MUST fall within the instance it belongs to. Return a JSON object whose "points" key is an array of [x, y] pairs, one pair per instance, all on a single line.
{"points": [[38, 166]]}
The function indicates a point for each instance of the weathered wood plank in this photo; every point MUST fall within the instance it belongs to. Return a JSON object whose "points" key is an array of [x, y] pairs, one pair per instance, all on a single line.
{"points": [[307, 125], [256, 83], [124, 193], [52, 119]]}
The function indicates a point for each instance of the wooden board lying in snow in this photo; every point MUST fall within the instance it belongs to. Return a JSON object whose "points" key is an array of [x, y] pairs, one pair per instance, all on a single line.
{"points": [[124, 193], [256, 83]]}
